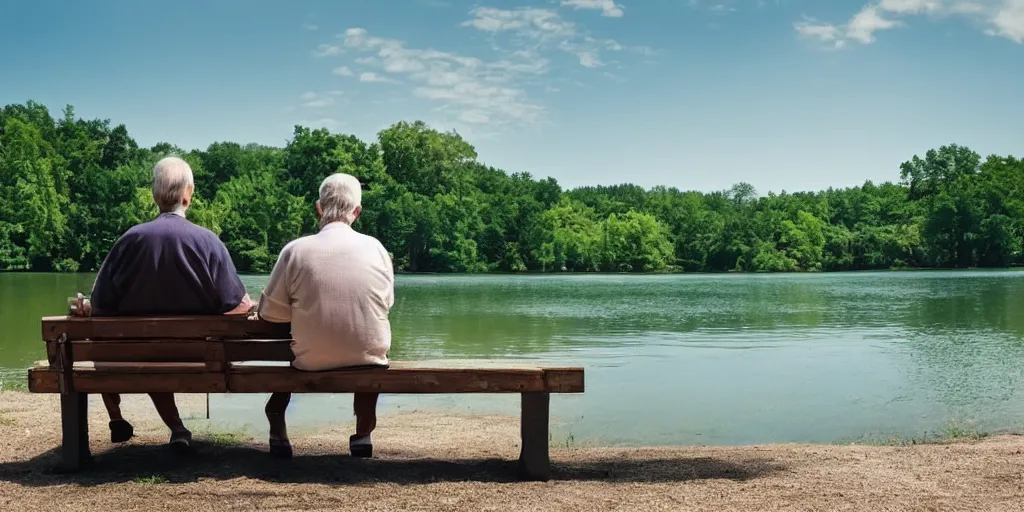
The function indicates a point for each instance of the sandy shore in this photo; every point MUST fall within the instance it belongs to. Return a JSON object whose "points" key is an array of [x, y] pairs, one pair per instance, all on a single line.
{"points": [[428, 461]]}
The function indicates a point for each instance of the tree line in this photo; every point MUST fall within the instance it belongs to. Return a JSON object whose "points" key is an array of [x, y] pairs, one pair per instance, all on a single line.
{"points": [[69, 187]]}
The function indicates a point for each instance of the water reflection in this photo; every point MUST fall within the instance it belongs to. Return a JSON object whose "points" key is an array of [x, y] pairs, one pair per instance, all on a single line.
{"points": [[24, 299]]}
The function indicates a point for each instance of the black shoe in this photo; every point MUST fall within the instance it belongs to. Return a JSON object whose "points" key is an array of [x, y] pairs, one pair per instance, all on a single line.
{"points": [[360, 446], [121, 431], [280, 448], [181, 442]]}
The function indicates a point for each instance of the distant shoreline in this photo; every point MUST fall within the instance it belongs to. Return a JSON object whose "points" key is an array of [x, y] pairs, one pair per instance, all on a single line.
{"points": [[653, 273]]}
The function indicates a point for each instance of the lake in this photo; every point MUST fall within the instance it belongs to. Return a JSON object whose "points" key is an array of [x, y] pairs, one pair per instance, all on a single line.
{"points": [[680, 359]]}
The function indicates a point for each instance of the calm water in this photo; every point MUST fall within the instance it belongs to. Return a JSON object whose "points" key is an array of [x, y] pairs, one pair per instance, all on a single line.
{"points": [[725, 359]]}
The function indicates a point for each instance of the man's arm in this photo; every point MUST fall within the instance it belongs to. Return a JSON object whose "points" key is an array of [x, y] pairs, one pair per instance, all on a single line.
{"points": [[245, 307], [228, 290], [103, 293], [390, 298], [275, 301]]}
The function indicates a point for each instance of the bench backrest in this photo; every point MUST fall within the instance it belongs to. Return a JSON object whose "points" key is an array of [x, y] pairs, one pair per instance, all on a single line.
{"points": [[215, 340], [195, 354]]}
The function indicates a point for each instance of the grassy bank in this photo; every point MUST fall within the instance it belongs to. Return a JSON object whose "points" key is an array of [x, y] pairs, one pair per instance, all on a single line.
{"points": [[429, 461]]}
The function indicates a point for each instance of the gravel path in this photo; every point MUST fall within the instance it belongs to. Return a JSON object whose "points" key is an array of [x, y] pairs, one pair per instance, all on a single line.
{"points": [[428, 461]]}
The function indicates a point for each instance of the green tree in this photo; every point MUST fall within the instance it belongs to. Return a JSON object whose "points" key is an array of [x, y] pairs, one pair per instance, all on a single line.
{"points": [[29, 174], [69, 187], [634, 242], [255, 219]]}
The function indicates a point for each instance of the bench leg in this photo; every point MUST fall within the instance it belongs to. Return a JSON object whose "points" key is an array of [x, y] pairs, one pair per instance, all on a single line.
{"points": [[534, 463], [74, 417]]}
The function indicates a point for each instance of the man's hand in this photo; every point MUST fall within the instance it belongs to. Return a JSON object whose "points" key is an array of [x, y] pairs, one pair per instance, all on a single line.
{"points": [[82, 307], [246, 307]]}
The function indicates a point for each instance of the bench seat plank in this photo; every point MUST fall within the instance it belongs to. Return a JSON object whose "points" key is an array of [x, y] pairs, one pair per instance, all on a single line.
{"points": [[177, 327], [130, 378], [163, 367], [256, 379], [402, 377]]}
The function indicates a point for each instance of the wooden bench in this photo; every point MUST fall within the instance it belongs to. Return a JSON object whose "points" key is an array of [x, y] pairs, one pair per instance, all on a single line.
{"points": [[206, 354]]}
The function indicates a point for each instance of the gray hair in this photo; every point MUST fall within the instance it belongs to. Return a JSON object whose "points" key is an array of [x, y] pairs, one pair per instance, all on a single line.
{"points": [[340, 195], [172, 176]]}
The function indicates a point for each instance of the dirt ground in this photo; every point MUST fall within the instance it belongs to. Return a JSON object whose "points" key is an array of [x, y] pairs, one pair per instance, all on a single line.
{"points": [[427, 461]]}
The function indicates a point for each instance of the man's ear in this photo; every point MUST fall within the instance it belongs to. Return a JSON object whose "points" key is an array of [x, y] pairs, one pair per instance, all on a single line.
{"points": [[319, 210], [356, 212], [187, 199]]}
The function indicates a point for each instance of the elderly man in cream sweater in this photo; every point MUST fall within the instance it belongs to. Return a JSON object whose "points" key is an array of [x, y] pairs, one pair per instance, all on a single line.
{"points": [[336, 288]]}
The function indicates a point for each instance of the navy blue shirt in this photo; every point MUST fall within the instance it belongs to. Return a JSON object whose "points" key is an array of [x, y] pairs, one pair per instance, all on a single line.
{"points": [[167, 266]]}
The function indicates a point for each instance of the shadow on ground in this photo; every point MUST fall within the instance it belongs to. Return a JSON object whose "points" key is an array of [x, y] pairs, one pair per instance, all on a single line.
{"points": [[156, 464]]}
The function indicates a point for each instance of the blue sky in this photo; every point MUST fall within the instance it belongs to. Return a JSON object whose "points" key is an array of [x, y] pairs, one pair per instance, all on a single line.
{"points": [[697, 94]]}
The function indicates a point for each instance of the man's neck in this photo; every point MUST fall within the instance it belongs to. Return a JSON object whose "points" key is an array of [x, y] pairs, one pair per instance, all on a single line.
{"points": [[179, 211], [336, 224]]}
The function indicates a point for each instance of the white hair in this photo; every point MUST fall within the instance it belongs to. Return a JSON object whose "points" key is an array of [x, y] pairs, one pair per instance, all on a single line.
{"points": [[340, 195], [172, 177]]}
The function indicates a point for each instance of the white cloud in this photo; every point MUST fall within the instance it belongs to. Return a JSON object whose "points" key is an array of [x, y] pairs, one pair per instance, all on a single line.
{"points": [[1008, 22], [474, 117], [310, 27], [823, 31], [613, 45], [589, 59], [319, 103], [910, 6], [865, 23], [608, 7], [313, 100], [370, 77], [1003, 18], [534, 29], [720, 7], [471, 91], [396, 60], [324, 122], [538, 22], [467, 89], [967, 8], [328, 50], [354, 32]]}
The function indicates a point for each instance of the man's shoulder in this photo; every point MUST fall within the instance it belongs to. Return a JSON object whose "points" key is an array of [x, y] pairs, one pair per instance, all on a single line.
{"points": [[169, 223], [140, 228], [205, 234], [178, 228], [139, 233], [297, 245], [348, 237], [369, 241]]}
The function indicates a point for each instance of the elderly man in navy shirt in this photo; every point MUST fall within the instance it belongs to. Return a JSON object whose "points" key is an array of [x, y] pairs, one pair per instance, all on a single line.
{"points": [[167, 266]]}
